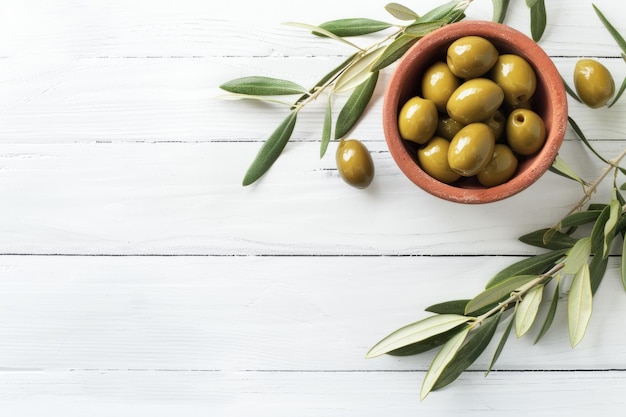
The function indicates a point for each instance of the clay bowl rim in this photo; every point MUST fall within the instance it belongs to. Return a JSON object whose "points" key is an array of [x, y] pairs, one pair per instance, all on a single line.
{"points": [[552, 107]]}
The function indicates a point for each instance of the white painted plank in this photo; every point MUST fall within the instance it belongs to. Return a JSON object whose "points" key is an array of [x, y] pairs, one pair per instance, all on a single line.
{"points": [[231, 314], [87, 100], [186, 198]]}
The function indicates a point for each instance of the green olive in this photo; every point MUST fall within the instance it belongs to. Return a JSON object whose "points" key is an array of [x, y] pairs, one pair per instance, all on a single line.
{"points": [[593, 82], [474, 100], [447, 127], [497, 123], [525, 131], [471, 56], [471, 149], [433, 158], [354, 163], [500, 168], [516, 77], [438, 84], [417, 120]]}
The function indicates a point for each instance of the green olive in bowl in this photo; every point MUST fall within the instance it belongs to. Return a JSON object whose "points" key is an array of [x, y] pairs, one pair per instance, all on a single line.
{"points": [[471, 149], [438, 84], [433, 158], [593, 82], [471, 56], [354, 163], [516, 77], [417, 120], [525, 131], [475, 100], [500, 168]]}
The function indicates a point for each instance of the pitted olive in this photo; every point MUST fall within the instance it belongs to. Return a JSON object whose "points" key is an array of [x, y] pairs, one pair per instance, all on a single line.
{"points": [[475, 100], [593, 82], [417, 120], [433, 158], [438, 84], [525, 131], [354, 163], [471, 149], [447, 127], [516, 77], [500, 168], [497, 123], [471, 56]]}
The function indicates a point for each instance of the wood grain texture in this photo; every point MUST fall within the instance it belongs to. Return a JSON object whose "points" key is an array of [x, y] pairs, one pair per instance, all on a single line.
{"points": [[140, 278]]}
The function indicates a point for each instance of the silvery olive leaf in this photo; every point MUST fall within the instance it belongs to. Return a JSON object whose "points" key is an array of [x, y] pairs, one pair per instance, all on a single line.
{"points": [[401, 12], [442, 359], [353, 27], [527, 310], [262, 86], [579, 305]]}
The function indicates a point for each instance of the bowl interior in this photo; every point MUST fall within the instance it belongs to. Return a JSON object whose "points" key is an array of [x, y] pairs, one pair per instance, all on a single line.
{"points": [[549, 101]]}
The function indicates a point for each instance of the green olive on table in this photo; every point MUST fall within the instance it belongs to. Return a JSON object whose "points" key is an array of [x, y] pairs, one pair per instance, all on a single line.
{"points": [[447, 127], [497, 123], [417, 120], [354, 163], [471, 56], [433, 158], [438, 84], [516, 77], [500, 168], [593, 82], [471, 149], [525, 131], [475, 100]]}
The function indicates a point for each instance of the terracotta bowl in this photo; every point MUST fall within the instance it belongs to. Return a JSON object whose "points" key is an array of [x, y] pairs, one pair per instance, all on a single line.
{"points": [[549, 101]]}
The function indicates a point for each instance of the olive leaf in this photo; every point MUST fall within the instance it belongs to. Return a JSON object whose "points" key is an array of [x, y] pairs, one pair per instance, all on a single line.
{"points": [[416, 332], [623, 264], [609, 227], [237, 96], [355, 106], [551, 313], [578, 255], [557, 239], [262, 86], [401, 12], [579, 305], [426, 344], [445, 11], [616, 35], [501, 344], [321, 31], [559, 166], [533, 265], [527, 310], [499, 10], [582, 137], [498, 292], [537, 18], [571, 91], [358, 72], [443, 357], [326, 128], [597, 268], [271, 149], [420, 29], [580, 218], [353, 27], [394, 51], [448, 307], [469, 352], [619, 93]]}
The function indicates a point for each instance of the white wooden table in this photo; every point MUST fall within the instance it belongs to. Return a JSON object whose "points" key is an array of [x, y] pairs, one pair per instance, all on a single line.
{"points": [[138, 277]]}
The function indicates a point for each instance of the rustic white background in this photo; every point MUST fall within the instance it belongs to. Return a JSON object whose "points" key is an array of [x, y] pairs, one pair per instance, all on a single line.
{"points": [[138, 277]]}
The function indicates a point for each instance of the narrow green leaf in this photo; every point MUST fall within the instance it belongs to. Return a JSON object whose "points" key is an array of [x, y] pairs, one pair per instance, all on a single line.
{"points": [[357, 73], [579, 218], [503, 339], [443, 11], [469, 352], [420, 29], [597, 206], [582, 137], [537, 19], [527, 310], [443, 357], [426, 344], [394, 51], [609, 227], [262, 86], [571, 91], [534, 265], [327, 127], [498, 292], [560, 167], [353, 27], [623, 264], [616, 35], [530, 3], [448, 307], [401, 12], [597, 268], [271, 149], [619, 93], [558, 240], [577, 256], [237, 96], [499, 10], [597, 233], [416, 332], [321, 31], [355, 106], [579, 306], [624, 56], [551, 313]]}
